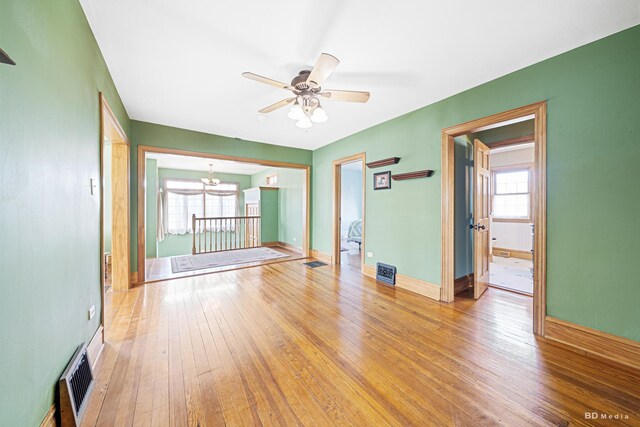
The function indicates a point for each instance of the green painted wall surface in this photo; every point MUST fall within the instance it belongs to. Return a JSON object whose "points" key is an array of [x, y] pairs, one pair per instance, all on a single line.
{"points": [[515, 130], [463, 155], [593, 148], [174, 244], [269, 214], [49, 221], [290, 202], [150, 134], [151, 208]]}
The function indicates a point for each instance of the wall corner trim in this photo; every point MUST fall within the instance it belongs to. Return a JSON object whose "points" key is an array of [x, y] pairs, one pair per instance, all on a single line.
{"points": [[417, 286], [95, 346], [321, 256], [594, 342]]}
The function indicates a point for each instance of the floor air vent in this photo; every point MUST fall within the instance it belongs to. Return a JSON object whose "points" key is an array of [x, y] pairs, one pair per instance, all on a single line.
{"points": [[315, 264], [386, 273], [75, 386]]}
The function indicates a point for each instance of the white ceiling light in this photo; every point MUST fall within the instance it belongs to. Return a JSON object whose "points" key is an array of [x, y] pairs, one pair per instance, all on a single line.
{"points": [[296, 112], [319, 115], [210, 181], [304, 123]]}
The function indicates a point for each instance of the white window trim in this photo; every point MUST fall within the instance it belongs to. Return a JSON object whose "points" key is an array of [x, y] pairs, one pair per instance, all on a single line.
{"points": [[507, 169]]}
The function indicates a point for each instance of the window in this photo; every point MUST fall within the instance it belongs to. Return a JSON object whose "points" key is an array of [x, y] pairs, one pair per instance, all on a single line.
{"points": [[272, 180], [512, 194], [184, 198]]}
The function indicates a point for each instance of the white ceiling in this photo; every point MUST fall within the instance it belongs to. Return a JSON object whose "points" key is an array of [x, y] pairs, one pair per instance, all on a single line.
{"points": [[512, 148], [172, 161], [178, 63]]}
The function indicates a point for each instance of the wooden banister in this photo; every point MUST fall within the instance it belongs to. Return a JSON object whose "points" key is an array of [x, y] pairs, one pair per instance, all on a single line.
{"points": [[216, 234]]}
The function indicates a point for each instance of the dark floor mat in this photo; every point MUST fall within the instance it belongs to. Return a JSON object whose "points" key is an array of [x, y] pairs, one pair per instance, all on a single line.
{"points": [[314, 264]]}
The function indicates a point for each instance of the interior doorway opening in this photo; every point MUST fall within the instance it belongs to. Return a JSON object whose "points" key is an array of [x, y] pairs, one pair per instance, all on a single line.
{"points": [[467, 222], [351, 214], [114, 183], [349, 210], [201, 213], [509, 156]]}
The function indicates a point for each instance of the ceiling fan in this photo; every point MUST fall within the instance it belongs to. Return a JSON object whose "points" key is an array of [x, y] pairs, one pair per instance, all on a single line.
{"points": [[307, 88]]}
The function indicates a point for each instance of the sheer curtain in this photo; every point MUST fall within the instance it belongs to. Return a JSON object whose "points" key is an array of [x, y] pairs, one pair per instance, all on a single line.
{"points": [[160, 209], [180, 205]]}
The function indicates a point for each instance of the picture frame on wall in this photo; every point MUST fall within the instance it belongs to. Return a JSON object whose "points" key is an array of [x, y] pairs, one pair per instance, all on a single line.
{"points": [[382, 180]]}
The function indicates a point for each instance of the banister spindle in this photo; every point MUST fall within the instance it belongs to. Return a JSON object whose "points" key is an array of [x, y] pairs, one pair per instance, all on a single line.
{"points": [[193, 229]]}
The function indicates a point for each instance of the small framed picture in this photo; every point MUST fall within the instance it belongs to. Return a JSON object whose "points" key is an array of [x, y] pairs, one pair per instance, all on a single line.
{"points": [[382, 180]]}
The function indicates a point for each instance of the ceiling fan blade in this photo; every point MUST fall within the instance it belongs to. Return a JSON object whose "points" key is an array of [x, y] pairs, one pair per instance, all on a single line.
{"points": [[346, 95], [323, 68], [277, 105], [265, 80]]}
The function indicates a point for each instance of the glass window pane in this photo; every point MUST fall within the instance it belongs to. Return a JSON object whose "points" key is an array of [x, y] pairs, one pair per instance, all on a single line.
{"points": [[512, 182], [511, 206], [183, 185]]}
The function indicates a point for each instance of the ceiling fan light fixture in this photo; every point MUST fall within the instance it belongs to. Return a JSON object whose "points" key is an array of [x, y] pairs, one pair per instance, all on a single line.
{"points": [[319, 115], [296, 112], [304, 123]]}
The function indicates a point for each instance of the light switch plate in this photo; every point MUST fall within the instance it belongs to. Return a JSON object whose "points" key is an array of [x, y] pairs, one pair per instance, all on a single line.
{"points": [[369, 254], [92, 312]]}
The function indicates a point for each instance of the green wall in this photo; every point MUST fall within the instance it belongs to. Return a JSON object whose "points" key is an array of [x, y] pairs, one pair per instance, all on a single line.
{"points": [[49, 221], [173, 244], [593, 150], [150, 134], [515, 130], [463, 201], [290, 202]]}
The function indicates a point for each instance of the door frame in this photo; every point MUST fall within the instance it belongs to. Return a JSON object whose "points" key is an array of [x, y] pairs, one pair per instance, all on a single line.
{"points": [[337, 202], [538, 112], [142, 165], [110, 127]]}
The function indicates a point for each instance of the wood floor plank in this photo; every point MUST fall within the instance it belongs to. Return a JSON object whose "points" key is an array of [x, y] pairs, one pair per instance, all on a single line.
{"points": [[282, 344]]}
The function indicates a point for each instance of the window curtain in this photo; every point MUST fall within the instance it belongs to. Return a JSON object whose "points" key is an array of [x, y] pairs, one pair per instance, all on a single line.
{"points": [[160, 209], [184, 209]]}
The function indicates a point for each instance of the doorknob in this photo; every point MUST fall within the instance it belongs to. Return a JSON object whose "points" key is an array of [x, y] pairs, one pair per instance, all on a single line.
{"points": [[481, 227], [477, 227]]}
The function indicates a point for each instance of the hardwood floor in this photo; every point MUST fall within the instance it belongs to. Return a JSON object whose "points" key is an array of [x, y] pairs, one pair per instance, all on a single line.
{"points": [[158, 269], [284, 344]]}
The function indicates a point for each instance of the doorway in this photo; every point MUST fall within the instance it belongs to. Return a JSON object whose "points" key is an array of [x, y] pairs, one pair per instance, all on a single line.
{"points": [[114, 149], [348, 211], [205, 215], [269, 180], [478, 176], [494, 195]]}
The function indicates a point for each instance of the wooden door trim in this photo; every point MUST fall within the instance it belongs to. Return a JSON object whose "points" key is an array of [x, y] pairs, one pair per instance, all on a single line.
{"points": [[107, 118], [538, 112], [481, 200], [144, 149], [336, 197]]}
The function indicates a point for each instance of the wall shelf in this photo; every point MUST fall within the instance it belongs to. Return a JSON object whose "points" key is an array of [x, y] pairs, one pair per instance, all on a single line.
{"points": [[383, 162], [412, 175]]}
